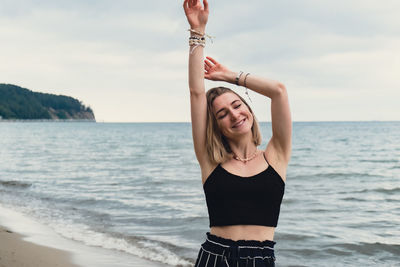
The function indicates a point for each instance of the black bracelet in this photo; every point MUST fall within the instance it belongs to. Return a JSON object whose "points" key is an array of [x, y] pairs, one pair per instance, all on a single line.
{"points": [[238, 77], [196, 38]]}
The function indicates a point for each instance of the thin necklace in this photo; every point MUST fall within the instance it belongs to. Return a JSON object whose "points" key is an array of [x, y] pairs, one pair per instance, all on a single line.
{"points": [[245, 160]]}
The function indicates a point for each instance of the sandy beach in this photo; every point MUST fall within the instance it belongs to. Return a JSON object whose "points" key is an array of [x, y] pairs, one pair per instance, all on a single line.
{"points": [[26, 243], [15, 252]]}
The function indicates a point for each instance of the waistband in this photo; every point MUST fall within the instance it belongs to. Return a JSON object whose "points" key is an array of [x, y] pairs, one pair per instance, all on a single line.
{"points": [[240, 249], [241, 243]]}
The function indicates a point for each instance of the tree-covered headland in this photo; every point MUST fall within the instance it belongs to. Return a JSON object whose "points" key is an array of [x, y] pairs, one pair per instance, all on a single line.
{"points": [[17, 103]]}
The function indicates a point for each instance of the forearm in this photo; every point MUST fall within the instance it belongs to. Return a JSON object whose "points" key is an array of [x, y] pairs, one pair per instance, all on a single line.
{"points": [[264, 86], [196, 68]]}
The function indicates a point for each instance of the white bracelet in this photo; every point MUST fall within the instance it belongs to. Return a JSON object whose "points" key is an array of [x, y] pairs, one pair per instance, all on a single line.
{"points": [[196, 41]]}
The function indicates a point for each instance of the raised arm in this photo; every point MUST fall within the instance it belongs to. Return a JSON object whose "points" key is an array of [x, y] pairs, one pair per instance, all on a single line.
{"points": [[276, 91], [197, 15]]}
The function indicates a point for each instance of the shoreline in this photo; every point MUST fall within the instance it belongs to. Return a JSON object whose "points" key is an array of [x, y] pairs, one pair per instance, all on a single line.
{"points": [[47, 120], [16, 252], [27, 242]]}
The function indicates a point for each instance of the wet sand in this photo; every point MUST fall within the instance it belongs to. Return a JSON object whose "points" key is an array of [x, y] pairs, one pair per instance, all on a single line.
{"points": [[16, 252]]}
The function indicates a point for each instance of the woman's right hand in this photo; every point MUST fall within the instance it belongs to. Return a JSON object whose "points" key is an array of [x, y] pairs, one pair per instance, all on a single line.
{"points": [[215, 71], [196, 14]]}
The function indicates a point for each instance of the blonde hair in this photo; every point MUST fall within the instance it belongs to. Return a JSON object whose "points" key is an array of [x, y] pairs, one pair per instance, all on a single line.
{"points": [[218, 148]]}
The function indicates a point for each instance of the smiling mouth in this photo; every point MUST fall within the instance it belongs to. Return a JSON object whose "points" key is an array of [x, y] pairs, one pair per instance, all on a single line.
{"points": [[239, 123]]}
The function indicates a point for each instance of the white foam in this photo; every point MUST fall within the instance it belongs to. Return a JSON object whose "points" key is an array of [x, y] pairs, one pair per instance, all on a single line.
{"points": [[145, 249], [82, 255]]}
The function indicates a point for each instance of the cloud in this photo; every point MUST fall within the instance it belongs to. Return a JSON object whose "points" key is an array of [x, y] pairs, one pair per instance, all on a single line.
{"points": [[128, 59]]}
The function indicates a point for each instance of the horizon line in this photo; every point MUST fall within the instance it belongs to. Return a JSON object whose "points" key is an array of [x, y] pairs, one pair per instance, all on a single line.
{"points": [[103, 121]]}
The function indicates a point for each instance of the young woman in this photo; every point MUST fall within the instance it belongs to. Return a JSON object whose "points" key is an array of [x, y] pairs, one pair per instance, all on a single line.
{"points": [[243, 185]]}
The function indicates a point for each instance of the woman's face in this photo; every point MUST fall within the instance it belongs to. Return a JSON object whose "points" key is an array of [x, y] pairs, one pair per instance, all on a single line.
{"points": [[233, 116]]}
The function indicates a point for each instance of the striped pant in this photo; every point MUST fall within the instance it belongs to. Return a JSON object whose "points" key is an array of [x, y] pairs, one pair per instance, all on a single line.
{"points": [[220, 252]]}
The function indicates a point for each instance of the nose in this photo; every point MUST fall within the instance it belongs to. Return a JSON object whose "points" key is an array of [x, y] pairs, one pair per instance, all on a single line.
{"points": [[235, 114]]}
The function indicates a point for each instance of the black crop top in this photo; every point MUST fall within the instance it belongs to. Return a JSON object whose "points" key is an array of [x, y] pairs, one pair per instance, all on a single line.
{"points": [[254, 200]]}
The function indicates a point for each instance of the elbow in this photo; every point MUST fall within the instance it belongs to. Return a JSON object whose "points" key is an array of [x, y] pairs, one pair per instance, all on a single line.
{"points": [[280, 90], [196, 93], [281, 87]]}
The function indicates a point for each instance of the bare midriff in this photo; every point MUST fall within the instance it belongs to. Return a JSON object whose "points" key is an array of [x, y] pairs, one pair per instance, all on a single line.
{"points": [[244, 232]]}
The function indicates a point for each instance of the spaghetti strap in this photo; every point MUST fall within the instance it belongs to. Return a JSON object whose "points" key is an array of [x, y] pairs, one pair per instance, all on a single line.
{"points": [[265, 157]]}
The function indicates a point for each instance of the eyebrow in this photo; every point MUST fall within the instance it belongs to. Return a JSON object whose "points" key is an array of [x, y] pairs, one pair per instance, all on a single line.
{"points": [[233, 102]]}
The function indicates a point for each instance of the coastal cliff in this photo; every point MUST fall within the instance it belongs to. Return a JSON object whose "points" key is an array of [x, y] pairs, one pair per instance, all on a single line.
{"points": [[17, 103]]}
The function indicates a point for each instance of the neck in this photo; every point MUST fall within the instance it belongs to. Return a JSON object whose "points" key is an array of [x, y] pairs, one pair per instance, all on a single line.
{"points": [[243, 147]]}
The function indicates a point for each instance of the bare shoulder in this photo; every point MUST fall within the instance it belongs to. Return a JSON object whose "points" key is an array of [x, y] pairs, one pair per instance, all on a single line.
{"points": [[277, 159], [206, 170]]}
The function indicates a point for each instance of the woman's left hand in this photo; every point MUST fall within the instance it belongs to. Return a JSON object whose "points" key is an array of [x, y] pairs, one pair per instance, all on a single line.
{"points": [[216, 72]]}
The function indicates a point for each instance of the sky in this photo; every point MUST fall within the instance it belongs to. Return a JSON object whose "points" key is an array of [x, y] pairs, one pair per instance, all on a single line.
{"points": [[127, 59]]}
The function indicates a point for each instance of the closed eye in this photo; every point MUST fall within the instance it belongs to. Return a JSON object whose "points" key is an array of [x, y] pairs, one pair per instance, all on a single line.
{"points": [[223, 116]]}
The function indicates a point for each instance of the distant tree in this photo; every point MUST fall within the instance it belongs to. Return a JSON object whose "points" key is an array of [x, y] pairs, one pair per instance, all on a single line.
{"points": [[21, 103]]}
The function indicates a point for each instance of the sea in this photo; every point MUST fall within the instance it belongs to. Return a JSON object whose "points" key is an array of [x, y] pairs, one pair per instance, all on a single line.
{"points": [[135, 189]]}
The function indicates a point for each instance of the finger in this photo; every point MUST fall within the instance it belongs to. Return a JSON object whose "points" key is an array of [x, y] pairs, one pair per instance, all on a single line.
{"points": [[205, 3], [208, 63], [212, 60], [185, 5]]}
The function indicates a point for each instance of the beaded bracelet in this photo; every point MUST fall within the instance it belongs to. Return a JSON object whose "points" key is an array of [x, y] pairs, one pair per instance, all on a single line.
{"points": [[196, 43], [197, 38], [196, 32], [202, 34]]}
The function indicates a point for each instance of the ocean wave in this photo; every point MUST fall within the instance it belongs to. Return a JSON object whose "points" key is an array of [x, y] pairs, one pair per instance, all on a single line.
{"points": [[387, 190], [394, 190], [293, 237], [395, 167], [337, 252], [353, 199], [344, 252], [379, 160], [369, 249], [15, 184], [337, 175], [303, 149], [140, 246], [338, 140]]}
